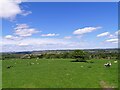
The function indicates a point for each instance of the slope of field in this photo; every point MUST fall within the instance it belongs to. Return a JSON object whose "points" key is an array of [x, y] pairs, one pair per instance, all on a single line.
{"points": [[59, 73]]}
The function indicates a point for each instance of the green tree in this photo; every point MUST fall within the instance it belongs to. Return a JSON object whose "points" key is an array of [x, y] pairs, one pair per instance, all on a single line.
{"points": [[80, 56]]}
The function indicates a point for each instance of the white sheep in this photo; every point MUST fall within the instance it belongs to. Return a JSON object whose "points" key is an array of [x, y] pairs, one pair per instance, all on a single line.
{"points": [[31, 63], [107, 64], [115, 61], [81, 66]]}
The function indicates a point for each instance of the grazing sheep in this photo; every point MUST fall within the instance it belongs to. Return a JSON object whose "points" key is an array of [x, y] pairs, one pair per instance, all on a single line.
{"points": [[81, 66], [31, 63], [115, 61], [107, 64]]}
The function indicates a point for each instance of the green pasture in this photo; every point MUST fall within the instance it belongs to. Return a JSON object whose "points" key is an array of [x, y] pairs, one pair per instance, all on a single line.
{"points": [[58, 73]]}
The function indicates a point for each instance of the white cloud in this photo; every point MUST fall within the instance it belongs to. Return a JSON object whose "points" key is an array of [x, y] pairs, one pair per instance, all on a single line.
{"points": [[49, 35], [25, 13], [34, 41], [5, 41], [11, 37], [22, 44], [23, 30], [117, 32], [85, 30], [10, 8], [114, 40], [29, 44], [43, 41], [67, 37], [113, 36], [103, 34]]}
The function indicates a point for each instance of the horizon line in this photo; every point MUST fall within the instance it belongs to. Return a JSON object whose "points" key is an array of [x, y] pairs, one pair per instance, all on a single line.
{"points": [[54, 50]]}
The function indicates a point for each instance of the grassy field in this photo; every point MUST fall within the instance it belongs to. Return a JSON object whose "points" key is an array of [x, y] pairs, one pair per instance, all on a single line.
{"points": [[59, 73]]}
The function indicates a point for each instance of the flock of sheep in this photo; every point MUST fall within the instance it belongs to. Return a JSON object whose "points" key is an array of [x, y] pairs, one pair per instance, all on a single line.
{"points": [[108, 64], [29, 63]]}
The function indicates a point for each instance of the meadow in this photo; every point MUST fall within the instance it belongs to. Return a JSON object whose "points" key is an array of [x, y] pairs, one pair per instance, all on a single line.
{"points": [[58, 73]]}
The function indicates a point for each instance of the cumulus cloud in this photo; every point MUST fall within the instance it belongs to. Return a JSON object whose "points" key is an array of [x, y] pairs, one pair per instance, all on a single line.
{"points": [[103, 34], [85, 30], [49, 35], [23, 30], [11, 8]]}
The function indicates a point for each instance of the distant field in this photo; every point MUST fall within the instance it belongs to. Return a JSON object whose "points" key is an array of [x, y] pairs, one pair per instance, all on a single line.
{"points": [[59, 73]]}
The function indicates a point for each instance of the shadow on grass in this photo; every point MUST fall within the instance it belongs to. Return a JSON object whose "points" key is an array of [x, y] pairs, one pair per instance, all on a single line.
{"points": [[78, 61], [85, 61]]}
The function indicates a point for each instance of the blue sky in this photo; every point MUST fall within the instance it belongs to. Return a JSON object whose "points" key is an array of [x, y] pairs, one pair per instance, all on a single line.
{"points": [[61, 25]]}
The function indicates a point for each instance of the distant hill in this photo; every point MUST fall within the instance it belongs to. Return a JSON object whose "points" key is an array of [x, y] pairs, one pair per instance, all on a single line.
{"points": [[58, 51]]}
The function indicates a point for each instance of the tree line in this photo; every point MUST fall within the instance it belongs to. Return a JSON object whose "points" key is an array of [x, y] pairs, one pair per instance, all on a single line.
{"points": [[79, 55]]}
